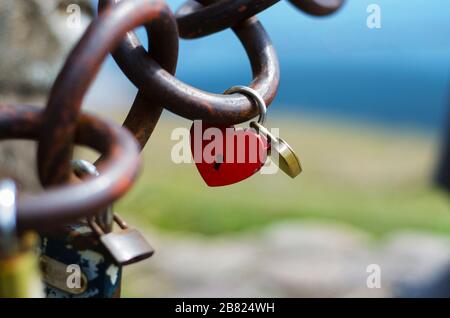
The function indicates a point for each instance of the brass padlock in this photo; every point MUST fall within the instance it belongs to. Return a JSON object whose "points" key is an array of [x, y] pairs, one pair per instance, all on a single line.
{"points": [[19, 271], [126, 246], [285, 156]]}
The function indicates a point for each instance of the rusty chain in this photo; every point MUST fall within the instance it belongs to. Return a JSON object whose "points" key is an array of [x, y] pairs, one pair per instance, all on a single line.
{"points": [[196, 21], [62, 124], [119, 168]]}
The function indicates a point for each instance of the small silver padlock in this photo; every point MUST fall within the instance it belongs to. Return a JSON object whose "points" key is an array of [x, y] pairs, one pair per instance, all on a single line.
{"points": [[126, 246]]}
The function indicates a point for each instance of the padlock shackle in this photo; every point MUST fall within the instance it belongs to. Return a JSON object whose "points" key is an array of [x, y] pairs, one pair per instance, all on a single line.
{"points": [[98, 229], [121, 222], [255, 96]]}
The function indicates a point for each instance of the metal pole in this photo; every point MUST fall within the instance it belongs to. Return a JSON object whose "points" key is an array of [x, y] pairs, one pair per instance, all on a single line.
{"points": [[443, 172]]}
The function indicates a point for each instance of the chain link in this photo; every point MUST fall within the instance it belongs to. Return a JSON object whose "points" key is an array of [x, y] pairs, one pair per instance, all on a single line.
{"points": [[62, 124]]}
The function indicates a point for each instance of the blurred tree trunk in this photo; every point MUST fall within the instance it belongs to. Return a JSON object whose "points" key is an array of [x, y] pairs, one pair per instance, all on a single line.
{"points": [[35, 36]]}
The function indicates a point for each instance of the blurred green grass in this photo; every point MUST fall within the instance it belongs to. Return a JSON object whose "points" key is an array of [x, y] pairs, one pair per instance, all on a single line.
{"points": [[374, 179]]}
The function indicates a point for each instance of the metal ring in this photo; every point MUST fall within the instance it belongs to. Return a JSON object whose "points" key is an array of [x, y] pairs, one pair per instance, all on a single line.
{"points": [[195, 21], [146, 111], [193, 103], [67, 203], [318, 7], [255, 96], [8, 215], [61, 114]]}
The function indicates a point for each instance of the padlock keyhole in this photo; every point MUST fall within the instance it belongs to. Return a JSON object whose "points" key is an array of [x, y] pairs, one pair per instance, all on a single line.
{"points": [[218, 163]]}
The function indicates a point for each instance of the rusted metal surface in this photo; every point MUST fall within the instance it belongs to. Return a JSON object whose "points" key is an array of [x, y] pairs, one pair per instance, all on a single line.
{"points": [[152, 73], [193, 103], [104, 35], [62, 212], [318, 7], [204, 17], [61, 125], [81, 67], [146, 110], [196, 21], [60, 205]]}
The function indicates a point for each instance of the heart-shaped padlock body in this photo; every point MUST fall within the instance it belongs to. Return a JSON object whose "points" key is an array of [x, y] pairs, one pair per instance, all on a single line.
{"points": [[225, 155]]}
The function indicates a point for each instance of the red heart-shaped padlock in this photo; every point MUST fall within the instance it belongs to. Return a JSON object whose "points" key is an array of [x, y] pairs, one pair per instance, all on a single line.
{"points": [[225, 155]]}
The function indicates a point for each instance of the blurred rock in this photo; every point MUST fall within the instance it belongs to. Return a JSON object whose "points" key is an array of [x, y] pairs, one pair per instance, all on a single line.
{"points": [[289, 260], [414, 261], [34, 39]]}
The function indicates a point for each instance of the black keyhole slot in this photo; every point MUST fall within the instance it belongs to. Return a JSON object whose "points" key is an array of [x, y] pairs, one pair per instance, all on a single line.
{"points": [[218, 163]]}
